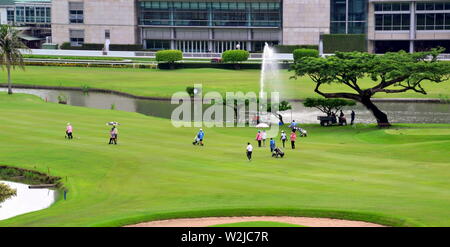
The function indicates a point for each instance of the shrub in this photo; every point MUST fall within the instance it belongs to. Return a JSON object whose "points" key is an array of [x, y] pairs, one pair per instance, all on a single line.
{"points": [[299, 53], [292, 48], [235, 56], [169, 56], [344, 42]]}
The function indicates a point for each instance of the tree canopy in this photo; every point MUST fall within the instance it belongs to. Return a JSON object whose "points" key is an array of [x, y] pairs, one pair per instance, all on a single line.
{"points": [[10, 50], [393, 72], [328, 106], [6, 192]]}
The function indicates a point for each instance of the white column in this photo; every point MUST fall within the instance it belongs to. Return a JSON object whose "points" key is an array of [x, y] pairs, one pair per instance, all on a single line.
{"points": [[412, 27]]}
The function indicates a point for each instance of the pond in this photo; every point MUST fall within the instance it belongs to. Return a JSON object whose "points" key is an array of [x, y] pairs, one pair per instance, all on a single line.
{"points": [[27, 200], [398, 112]]}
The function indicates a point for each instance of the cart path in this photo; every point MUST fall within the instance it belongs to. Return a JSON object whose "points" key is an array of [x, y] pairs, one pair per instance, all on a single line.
{"points": [[209, 221]]}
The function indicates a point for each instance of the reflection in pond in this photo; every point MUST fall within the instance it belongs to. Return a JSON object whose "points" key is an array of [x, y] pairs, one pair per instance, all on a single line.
{"points": [[27, 200], [398, 112]]}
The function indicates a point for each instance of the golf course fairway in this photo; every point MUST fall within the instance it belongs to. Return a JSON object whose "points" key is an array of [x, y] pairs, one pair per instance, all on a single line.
{"points": [[398, 176]]}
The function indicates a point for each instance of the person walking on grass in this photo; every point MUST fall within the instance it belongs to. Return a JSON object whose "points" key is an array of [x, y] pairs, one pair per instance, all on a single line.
{"points": [[69, 131], [283, 138], [272, 145], [352, 117], [249, 151], [264, 137], [113, 138], [200, 136], [293, 138], [259, 138]]}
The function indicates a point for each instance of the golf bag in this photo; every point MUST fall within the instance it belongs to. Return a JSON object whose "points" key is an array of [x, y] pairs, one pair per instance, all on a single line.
{"points": [[277, 153], [303, 132]]}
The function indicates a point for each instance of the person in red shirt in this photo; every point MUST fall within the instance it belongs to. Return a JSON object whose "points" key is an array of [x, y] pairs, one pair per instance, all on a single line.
{"points": [[293, 138]]}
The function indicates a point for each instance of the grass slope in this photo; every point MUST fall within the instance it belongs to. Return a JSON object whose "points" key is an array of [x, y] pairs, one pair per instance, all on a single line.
{"points": [[399, 176], [163, 83]]}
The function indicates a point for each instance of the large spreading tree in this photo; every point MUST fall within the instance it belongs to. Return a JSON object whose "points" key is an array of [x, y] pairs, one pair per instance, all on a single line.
{"points": [[394, 72]]}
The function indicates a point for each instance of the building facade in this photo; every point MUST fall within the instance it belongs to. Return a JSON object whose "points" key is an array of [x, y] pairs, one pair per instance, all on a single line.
{"points": [[33, 17], [410, 25], [216, 26], [94, 21]]}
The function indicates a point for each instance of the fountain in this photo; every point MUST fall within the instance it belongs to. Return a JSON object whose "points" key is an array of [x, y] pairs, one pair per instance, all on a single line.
{"points": [[270, 77]]}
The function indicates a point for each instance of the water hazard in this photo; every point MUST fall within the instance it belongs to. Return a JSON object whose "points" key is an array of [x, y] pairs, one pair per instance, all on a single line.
{"points": [[398, 112]]}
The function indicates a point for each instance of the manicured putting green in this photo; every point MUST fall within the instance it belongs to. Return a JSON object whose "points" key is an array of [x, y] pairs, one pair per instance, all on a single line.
{"points": [[258, 224], [358, 173]]}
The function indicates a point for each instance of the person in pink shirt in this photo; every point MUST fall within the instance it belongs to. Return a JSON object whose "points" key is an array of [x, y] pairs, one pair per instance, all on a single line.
{"points": [[293, 138], [69, 131], [259, 137]]}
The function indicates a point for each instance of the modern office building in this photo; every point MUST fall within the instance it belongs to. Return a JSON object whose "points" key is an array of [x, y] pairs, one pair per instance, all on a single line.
{"points": [[215, 26], [33, 17], [408, 25]]}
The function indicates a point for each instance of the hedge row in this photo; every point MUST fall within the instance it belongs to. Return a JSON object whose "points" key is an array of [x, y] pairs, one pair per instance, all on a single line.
{"points": [[344, 42], [299, 53], [99, 47], [292, 48], [92, 65], [215, 65]]}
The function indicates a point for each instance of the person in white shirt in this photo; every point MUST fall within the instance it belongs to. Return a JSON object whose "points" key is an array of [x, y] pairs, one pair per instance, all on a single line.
{"points": [[283, 138], [249, 151]]}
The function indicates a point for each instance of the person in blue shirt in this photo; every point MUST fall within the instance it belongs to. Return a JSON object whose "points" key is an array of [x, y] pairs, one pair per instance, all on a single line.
{"points": [[272, 145], [200, 136]]}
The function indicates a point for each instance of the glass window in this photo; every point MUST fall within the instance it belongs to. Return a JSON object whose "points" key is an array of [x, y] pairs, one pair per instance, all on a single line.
{"points": [[356, 27], [420, 21], [405, 21], [447, 6], [338, 10], [447, 21], [76, 37], [387, 7], [10, 13], [429, 21], [356, 10], [429, 6], [337, 27], [396, 22], [405, 6], [378, 22], [76, 13], [396, 7], [439, 6], [378, 7]]}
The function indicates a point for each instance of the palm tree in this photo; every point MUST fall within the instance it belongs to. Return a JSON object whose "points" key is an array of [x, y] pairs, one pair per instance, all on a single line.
{"points": [[10, 54]]}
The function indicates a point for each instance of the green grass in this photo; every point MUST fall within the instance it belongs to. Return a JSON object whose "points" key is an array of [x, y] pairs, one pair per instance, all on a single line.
{"points": [[258, 224], [399, 176], [163, 83]]}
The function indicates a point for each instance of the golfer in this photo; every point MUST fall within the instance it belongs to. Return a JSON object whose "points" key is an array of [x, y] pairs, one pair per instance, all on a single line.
{"points": [[69, 131], [259, 138], [283, 138], [272, 145], [353, 117], [293, 138], [200, 136], [249, 151], [113, 138]]}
